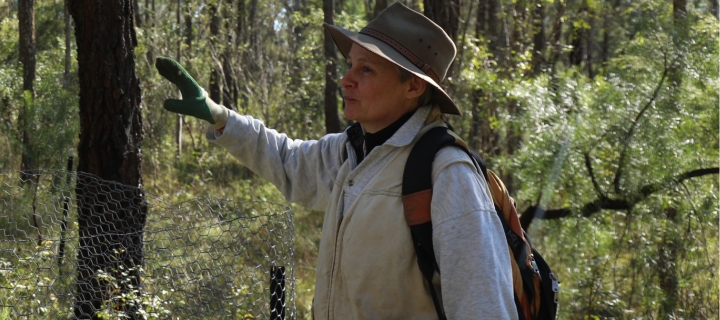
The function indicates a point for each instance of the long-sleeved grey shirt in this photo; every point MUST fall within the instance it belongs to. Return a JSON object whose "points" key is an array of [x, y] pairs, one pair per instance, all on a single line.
{"points": [[470, 247]]}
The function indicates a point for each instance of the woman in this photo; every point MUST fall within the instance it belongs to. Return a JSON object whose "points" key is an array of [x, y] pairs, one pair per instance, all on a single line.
{"points": [[367, 267]]}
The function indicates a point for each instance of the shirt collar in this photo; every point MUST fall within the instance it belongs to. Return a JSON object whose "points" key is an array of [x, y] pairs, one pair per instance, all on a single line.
{"points": [[407, 133]]}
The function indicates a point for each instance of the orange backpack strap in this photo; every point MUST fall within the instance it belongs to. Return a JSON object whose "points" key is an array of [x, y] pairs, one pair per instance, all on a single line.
{"points": [[534, 298]]}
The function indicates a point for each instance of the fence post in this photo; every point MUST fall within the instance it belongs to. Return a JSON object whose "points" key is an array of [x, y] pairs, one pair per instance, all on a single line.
{"points": [[277, 293]]}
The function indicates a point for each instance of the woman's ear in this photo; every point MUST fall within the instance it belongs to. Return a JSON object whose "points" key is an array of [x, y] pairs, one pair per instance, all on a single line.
{"points": [[416, 87]]}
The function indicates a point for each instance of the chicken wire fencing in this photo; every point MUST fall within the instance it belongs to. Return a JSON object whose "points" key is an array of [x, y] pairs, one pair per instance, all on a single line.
{"points": [[76, 246]]}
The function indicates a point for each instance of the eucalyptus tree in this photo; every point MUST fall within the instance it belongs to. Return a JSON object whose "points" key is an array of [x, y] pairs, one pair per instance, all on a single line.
{"points": [[110, 225]]}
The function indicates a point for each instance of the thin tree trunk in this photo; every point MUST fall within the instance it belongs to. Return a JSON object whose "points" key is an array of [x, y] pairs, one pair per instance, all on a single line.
{"points": [[68, 46], [538, 52], [229, 91], [497, 33], [216, 74], [556, 36], [590, 44], [380, 5], [485, 108], [110, 224], [446, 13], [26, 21], [478, 94], [576, 54], [605, 48], [332, 121], [188, 30], [178, 56], [680, 35], [138, 15], [241, 23], [517, 39], [240, 39], [667, 266]]}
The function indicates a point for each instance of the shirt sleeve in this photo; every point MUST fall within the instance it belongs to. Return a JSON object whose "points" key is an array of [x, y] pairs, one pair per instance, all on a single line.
{"points": [[470, 246], [303, 171]]}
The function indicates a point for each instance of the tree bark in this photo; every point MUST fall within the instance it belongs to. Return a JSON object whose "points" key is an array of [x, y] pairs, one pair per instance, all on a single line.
{"points": [[178, 57], [607, 21], [590, 44], [229, 90], [476, 131], [216, 74], [110, 224], [380, 5], [332, 121], [68, 46], [26, 21], [138, 15], [188, 29], [538, 57], [497, 33], [485, 138], [446, 13], [667, 265], [680, 35]]}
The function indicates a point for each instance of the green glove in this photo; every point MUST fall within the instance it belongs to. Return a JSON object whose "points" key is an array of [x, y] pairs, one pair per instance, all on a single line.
{"points": [[195, 100]]}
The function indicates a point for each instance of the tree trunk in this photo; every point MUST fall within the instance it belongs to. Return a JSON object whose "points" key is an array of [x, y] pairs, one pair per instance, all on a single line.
{"points": [[538, 57], [576, 54], [680, 35], [216, 74], [229, 92], [446, 13], [241, 24], [478, 95], [497, 33], [517, 39], [188, 29], [138, 15], [68, 46], [332, 121], [590, 44], [26, 21], [380, 5], [667, 265], [110, 224], [556, 36], [178, 57]]}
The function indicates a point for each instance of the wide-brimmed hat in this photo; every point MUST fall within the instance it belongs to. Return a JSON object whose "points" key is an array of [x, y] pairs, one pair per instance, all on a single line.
{"points": [[409, 40]]}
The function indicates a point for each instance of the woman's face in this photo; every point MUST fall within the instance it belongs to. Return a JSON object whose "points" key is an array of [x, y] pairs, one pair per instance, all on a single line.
{"points": [[373, 93]]}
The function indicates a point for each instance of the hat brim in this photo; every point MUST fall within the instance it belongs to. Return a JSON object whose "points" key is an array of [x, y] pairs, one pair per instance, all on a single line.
{"points": [[344, 40]]}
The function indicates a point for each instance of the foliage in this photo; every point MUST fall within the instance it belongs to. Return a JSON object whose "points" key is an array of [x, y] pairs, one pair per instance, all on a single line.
{"points": [[620, 101]]}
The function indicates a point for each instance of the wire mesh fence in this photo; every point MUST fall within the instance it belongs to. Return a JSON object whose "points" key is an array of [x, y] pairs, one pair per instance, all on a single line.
{"points": [[100, 248]]}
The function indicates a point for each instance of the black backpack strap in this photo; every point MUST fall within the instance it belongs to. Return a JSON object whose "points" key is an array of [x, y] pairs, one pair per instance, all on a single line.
{"points": [[417, 195]]}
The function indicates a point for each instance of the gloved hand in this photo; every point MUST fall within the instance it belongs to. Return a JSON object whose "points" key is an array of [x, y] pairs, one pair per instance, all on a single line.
{"points": [[195, 101]]}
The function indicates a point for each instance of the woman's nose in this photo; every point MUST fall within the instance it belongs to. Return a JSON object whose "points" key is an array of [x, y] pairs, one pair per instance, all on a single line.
{"points": [[346, 81]]}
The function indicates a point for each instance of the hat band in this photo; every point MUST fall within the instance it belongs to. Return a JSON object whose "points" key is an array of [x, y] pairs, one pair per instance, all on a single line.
{"points": [[404, 51]]}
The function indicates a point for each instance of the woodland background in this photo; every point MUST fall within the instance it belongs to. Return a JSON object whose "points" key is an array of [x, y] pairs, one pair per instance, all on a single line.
{"points": [[600, 115]]}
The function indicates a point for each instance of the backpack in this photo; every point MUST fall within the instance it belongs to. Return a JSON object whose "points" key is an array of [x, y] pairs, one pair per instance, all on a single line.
{"points": [[536, 289]]}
